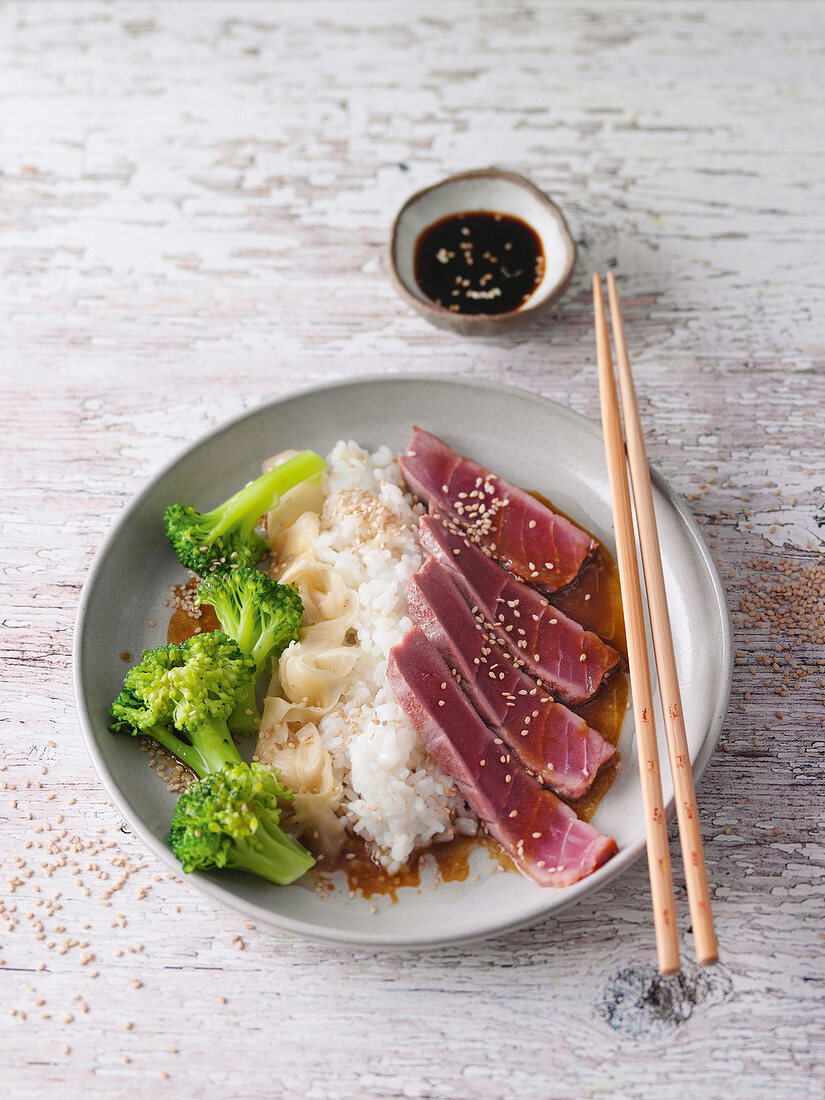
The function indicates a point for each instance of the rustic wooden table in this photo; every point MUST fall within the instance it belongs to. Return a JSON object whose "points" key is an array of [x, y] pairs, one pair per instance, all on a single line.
{"points": [[195, 202]]}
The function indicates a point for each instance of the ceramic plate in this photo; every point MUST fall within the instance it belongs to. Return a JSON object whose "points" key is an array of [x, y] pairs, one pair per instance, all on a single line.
{"points": [[524, 438]]}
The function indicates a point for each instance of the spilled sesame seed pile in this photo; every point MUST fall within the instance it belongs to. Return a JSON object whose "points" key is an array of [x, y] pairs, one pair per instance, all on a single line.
{"points": [[50, 866], [64, 898], [786, 599]]}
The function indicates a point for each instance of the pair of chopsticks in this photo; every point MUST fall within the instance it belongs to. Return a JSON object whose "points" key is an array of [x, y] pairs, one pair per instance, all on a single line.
{"points": [[658, 855]]}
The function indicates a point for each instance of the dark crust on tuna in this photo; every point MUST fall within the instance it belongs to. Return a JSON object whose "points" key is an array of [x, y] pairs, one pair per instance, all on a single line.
{"points": [[539, 546], [569, 661], [552, 742], [542, 834]]}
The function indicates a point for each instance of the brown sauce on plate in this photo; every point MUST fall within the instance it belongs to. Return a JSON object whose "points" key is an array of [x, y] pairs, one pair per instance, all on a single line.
{"points": [[594, 599], [601, 613], [450, 862], [182, 625], [478, 262]]}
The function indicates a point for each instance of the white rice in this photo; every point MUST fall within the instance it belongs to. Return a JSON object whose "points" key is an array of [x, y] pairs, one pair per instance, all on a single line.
{"points": [[394, 795]]}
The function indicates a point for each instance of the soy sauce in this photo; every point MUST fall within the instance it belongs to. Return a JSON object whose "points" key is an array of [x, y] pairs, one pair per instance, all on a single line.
{"points": [[479, 262]]}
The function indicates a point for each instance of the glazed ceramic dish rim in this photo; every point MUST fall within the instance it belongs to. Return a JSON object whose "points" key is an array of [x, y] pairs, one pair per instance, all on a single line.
{"points": [[483, 926]]}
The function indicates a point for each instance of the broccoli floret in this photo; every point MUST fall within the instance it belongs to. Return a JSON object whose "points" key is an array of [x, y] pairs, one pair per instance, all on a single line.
{"points": [[182, 695], [231, 819], [262, 616], [225, 537]]}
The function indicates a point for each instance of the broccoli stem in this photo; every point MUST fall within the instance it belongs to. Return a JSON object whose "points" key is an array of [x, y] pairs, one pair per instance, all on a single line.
{"points": [[242, 720], [262, 648], [275, 856], [254, 639], [254, 499], [184, 752], [244, 627], [245, 719], [211, 750], [214, 743]]}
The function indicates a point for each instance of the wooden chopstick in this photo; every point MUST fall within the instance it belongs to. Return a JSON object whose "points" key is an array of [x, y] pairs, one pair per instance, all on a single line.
{"points": [[658, 854], [687, 811]]}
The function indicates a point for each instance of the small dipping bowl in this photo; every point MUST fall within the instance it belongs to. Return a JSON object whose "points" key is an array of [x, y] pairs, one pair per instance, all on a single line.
{"points": [[491, 191]]}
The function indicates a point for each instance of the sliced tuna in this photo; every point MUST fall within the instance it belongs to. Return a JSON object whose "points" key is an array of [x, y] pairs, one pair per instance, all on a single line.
{"points": [[550, 740], [570, 662], [535, 544], [542, 834]]}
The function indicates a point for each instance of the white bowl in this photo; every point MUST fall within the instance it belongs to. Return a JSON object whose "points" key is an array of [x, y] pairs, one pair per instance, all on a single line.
{"points": [[486, 189], [557, 452]]}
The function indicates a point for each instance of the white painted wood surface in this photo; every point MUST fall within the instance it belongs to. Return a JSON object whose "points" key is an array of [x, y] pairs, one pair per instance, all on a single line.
{"points": [[195, 201]]}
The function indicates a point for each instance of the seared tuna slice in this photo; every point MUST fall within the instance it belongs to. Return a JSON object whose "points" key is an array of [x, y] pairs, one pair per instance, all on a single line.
{"points": [[550, 740], [569, 660], [540, 547], [542, 834]]}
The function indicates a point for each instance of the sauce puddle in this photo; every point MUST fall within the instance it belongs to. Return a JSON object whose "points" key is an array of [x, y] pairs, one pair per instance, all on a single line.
{"points": [[449, 861], [479, 261], [182, 625]]}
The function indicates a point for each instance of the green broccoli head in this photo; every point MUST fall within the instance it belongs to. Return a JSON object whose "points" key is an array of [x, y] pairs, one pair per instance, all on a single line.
{"points": [[262, 616], [225, 538], [231, 819], [201, 548], [129, 715], [182, 695]]}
